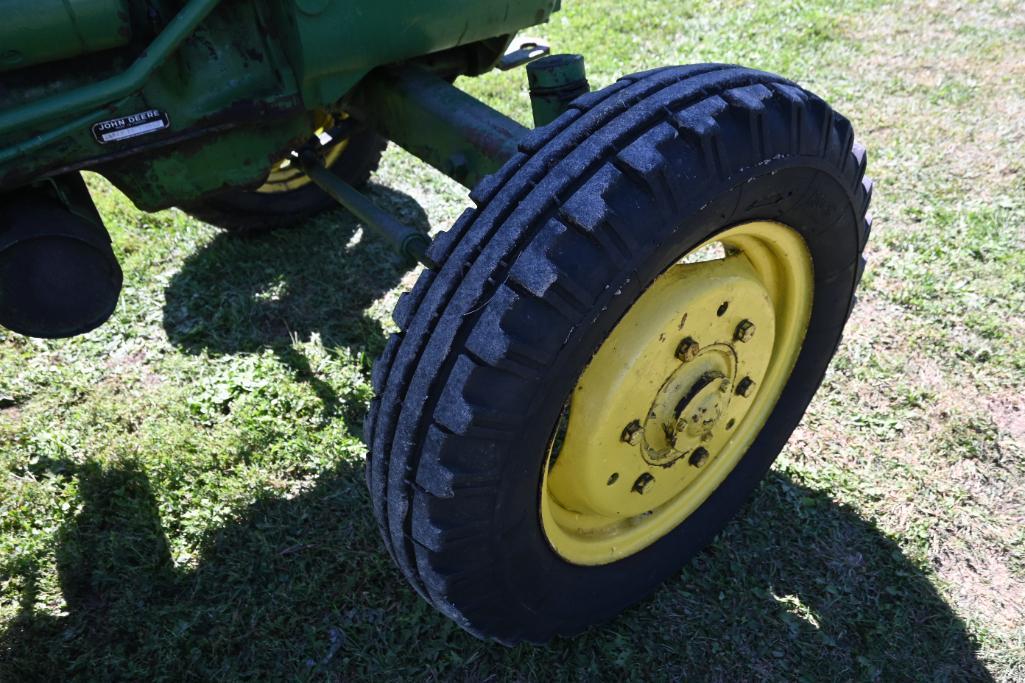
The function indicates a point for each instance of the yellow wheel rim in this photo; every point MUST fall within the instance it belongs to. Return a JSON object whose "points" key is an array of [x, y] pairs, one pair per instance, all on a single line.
{"points": [[286, 175], [674, 397]]}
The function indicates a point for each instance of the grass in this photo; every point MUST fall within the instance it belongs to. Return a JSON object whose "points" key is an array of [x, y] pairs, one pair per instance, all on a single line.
{"points": [[181, 491]]}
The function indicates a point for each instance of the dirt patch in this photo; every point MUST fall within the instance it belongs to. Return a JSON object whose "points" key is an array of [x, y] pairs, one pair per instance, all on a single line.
{"points": [[982, 585], [1008, 411]]}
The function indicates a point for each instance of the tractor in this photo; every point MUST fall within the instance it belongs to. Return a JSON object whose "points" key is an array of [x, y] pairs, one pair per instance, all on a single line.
{"points": [[600, 359]]}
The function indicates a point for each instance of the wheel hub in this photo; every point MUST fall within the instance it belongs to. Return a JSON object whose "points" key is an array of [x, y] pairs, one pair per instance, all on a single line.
{"points": [[688, 407], [706, 349]]}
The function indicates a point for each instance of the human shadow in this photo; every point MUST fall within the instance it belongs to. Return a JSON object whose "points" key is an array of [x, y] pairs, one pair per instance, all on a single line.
{"points": [[798, 588], [315, 280]]}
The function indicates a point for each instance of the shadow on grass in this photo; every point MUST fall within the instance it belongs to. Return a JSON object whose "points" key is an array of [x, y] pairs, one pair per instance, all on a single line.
{"points": [[246, 295], [798, 588]]}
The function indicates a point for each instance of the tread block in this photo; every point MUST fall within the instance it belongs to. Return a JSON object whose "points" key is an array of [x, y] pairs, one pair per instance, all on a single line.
{"points": [[539, 137], [369, 420], [459, 559], [838, 138], [699, 124], [486, 189], [514, 332], [450, 462], [793, 100], [860, 155], [749, 97], [379, 374], [561, 267], [441, 521], [589, 100], [409, 301], [866, 233], [646, 160], [478, 397], [867, 187], [446, 240]]}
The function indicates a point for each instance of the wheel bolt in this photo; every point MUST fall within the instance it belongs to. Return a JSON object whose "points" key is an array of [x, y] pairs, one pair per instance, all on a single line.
{"points": [[745, 386], [699, 457], [687, 350], [745, 331], [632, 433]]}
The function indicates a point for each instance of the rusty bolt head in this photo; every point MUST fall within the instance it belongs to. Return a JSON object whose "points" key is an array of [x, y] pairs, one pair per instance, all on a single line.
{"points": [[745, 331], [688, 349], [699, 457], [632, 433], [745, 386]]}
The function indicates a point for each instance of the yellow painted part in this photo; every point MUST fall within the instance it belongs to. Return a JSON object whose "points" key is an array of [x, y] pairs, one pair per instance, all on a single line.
{"points": [[287, 176], [654, 427]]}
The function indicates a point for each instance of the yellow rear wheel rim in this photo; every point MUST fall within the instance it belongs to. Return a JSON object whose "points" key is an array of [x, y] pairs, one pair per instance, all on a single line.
{"points": [[676, 394], [286, 175]]}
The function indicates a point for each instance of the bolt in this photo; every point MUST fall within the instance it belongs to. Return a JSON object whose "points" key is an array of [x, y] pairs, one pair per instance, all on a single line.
{"points": [[745, 331], [632, 433], [745, 386], [642, 482], [687, 350], [699, 457]]}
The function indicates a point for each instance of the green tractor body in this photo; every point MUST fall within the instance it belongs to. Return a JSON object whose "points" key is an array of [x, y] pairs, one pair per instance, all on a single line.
{"points": [[174, 101]]}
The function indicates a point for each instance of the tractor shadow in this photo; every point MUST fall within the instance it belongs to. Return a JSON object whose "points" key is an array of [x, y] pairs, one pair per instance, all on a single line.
{"points": [[293, 285], [798, 588]]}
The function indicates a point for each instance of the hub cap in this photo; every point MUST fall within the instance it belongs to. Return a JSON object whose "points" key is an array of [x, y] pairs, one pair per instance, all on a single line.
{"points": [[675, 396]]}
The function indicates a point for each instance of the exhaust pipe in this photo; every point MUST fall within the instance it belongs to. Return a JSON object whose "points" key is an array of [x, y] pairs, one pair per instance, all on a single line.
{"points": [[58, 274]]}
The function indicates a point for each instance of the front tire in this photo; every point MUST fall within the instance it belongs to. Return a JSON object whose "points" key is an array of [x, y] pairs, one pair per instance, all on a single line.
{"points": [[565, 243]]}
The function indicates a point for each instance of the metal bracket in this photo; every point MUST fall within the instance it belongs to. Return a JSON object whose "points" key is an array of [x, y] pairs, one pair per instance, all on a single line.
{"points": [[522, 51]]}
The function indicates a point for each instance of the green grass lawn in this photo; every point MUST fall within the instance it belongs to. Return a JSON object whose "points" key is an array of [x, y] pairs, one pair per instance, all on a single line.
{"points": [[182, 492]]}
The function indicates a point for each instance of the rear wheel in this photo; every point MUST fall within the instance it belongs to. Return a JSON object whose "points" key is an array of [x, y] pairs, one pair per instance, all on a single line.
{"points": [[618, 343], [288, 195]]}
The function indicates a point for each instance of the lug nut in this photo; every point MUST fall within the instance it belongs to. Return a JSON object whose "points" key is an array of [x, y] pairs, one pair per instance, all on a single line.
{"points": [[687, 350], [632, 433], [745, 386], [745, 331], [699, 457]]}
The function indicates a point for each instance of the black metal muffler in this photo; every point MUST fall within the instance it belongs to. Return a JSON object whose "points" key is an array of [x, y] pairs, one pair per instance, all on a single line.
{"points": [[58, 274]]}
